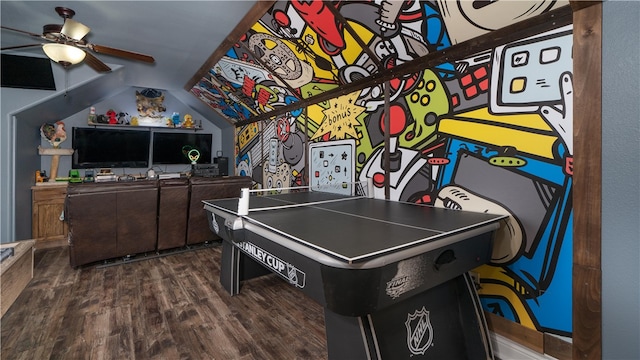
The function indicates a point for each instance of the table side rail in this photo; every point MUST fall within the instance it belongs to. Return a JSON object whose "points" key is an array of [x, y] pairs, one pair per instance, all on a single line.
{"points": [[380, 259]]}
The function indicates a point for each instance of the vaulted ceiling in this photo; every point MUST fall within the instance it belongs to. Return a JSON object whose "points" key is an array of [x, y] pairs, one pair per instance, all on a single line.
{"points": [[249, 61]]}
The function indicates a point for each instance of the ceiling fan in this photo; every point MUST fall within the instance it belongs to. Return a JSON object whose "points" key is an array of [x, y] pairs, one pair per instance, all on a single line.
{"points": [[66, 44]]}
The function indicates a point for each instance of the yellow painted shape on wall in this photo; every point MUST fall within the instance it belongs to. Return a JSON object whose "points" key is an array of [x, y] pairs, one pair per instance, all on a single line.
{"points": [[341, 117], [492, 289], [518, 84], [532, 121], [503, 130], [503, 286], [353, 50], [315, 113]]}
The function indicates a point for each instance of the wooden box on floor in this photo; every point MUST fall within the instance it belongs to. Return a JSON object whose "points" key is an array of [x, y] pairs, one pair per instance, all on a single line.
{"points": [[16, 272]]}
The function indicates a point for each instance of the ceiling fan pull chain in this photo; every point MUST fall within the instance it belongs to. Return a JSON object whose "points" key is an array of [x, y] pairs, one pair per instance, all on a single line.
{"points": [[66, 82]]}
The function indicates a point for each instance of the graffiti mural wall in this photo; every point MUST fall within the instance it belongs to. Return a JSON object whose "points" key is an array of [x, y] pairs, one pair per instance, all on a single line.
{"points": [[490, 132]]}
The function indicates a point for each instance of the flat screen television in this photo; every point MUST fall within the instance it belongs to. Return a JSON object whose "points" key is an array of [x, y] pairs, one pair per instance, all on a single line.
{"points": [[27, 72], [173, 147], [110, 148]]}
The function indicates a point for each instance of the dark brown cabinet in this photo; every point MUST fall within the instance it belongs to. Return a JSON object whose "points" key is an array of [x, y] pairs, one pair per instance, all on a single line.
{"points": [[111, 220], [203, 188], [172, 209]]}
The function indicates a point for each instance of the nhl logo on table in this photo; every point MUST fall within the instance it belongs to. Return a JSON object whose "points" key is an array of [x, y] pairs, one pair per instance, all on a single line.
{"points": [[419, 331]]}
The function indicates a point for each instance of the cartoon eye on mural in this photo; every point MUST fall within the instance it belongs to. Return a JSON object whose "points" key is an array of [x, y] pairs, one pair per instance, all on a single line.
{"points": [[489, 132]]}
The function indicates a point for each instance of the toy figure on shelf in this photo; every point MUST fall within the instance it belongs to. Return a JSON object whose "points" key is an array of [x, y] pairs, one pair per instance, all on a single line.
{"points": [[103, 119], [112, 117], [41, 176], [53, 133], [188, 121], [93, 118], [175, 118], [123, 118]]}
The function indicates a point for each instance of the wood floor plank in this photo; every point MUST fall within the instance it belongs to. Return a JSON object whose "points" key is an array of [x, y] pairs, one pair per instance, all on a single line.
{"points": [[171, 307]]}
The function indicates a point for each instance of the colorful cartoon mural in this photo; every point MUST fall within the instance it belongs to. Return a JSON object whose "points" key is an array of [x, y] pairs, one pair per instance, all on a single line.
{"points": [[490, 132]]}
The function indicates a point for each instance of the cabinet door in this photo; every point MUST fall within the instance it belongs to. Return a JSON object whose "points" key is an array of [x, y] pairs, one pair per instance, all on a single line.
{"points": [[172, 216], [137, 212], [198, 227], [47, 223], [92, 227]]}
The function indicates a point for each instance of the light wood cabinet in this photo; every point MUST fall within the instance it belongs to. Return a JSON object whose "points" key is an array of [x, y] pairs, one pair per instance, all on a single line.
{"points": [[48, 227]]}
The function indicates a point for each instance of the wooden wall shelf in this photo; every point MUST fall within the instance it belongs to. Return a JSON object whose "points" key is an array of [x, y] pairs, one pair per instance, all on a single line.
{"points": [[195, 128], [55, 160], [52, 151]]}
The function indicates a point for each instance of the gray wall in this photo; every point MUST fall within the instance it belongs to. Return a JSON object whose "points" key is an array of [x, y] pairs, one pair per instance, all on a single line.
{"points": [[125, 102], [23, 111], [620, 178]]}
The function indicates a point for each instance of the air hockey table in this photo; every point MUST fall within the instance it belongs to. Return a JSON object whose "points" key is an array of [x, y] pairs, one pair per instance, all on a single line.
{"points": [[392, 276]]}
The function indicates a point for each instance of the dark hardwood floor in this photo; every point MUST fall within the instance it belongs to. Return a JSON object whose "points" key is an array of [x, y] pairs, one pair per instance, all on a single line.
{"points": [[171, 307]]}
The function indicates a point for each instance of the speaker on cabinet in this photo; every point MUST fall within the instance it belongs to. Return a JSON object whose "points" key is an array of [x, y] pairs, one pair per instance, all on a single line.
{"points": [[223, 165]]}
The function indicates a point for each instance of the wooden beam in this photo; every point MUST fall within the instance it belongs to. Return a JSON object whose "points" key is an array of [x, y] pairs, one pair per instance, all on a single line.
{"points": [[256, 12], [587, 182], [581, 4]]}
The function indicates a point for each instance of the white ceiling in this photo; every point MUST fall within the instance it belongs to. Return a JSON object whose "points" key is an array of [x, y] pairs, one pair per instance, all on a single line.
{"points": [[180, 35]]}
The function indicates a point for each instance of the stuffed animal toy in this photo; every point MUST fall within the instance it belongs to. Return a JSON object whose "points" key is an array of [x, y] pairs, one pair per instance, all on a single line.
{"points": [[188, 121], [112, 117], [93, 118], [54, 133], [175, 119], [123, 118]]}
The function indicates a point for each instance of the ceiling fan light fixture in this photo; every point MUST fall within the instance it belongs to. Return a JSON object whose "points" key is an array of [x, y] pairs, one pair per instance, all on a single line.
{"points": [[63, 54], [74, 29], [51, 31]]}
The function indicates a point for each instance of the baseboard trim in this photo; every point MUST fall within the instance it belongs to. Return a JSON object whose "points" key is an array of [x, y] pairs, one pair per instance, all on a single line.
{"points": [[506, 349]]}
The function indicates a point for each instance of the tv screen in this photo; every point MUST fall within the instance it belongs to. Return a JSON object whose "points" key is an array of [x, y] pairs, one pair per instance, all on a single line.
{"points": [[174, 147], [110, 148], [27, 72]]}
